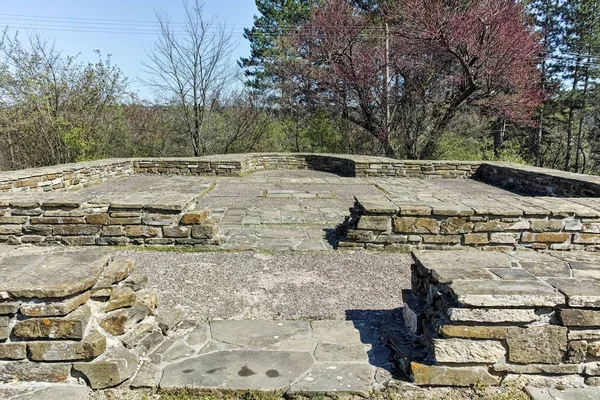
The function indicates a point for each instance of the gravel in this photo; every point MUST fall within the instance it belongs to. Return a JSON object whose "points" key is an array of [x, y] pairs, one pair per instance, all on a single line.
{"points": [[259, 285]]}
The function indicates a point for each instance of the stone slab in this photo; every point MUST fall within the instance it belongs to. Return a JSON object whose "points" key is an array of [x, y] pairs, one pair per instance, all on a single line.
{"points": [[343, 332], [491, 315], [72, 326], [57, 391], [579, 292], [588, 393], [433, 375], [350, 378], [461, 259], [503, 293], [239, 370], [376, 204], [56, 308], [49, 273], [262, 335]]}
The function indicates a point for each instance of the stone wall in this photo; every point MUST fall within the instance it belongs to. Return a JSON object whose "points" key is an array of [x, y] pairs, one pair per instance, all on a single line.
{"points": [[82, 224], [484, 318], [80, 315], [72, 176], [375, 222], [66, 176], [539, 181]]}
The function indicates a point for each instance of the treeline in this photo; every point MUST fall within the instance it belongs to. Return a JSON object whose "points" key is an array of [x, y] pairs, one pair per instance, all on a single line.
{"points": [[486, 79]]}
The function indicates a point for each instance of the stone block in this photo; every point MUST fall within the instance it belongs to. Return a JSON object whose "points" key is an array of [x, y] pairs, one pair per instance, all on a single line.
{"points": [[547, 237], [79, 240], [136, 281], [579, 292], [120, 297], [406, 225], [158, 219], [120, 321], [149, 299], [473, 332], [584, 334], [476, 239], [456, 225], [125, 220], [194, 218], [491, 315], [92, 345], [580, 318], [378, 223], [67, 221], [72, 326], [176, 231], [491, 226], [13, 351], [109, 371], [586, 238], [441, 239], [114, 230], [468, 351], [537, 344], [57, 308], [43, 230], [117, 270], [504, 237], [9, 307], [33, 371], [148, 376], [500, 294], [360, 236], [141, 231], [560, 369], [547, 225], [207, 230], [576, 351], [97, 219], [573, 225], [433, 375], [10, 229], [593, 350], [76, 230]]}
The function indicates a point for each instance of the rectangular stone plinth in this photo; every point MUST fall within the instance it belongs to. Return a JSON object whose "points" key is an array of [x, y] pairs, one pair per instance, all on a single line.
{"points": [[525, 317]]}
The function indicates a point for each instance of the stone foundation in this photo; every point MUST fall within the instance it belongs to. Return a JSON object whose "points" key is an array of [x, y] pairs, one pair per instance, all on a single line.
{"points": [[71, 314], [376, 222], [492, 317], [82, 224]]}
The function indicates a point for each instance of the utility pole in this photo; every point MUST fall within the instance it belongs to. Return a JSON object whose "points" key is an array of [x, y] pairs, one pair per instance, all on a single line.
{"points": [[386, 84]]}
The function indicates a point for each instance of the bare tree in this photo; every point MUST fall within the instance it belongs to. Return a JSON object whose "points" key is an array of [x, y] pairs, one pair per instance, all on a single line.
{"points": [[190, 66]]}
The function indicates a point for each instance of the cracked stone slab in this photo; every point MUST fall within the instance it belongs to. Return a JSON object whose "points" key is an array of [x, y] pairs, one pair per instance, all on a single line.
{"points": [[239, 370], [50, 273], [262, 335], [579, 292], [353, 378]]}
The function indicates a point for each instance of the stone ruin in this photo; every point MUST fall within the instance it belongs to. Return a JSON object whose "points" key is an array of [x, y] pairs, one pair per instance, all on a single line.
{"points": [[475, 317], [68, 313], [487, 317]]}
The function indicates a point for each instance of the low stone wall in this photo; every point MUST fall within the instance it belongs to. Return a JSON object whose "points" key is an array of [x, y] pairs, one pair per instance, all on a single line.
{"points": [[484, 318], [83, 224], [66, 176], [375, 222], [71, 176], [72, 313], [539, 181]]}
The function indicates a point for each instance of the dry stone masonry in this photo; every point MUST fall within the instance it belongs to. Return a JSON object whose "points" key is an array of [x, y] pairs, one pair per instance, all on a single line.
{"points": [[69, 315], [488, 317]]}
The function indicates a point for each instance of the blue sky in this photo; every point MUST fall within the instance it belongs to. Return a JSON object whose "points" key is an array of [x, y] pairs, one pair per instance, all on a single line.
{"points": [[72, 24]]}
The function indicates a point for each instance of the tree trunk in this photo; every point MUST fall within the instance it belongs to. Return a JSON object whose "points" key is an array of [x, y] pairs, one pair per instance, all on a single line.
{"points": [[499, 137], [581, 118]]}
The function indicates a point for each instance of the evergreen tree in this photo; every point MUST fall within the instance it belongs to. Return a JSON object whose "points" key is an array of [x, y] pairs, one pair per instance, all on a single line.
{"points": [[269, 37]]}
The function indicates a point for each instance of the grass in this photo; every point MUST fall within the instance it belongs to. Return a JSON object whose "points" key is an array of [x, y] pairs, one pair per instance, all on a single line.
{"points": [[503, 392]]}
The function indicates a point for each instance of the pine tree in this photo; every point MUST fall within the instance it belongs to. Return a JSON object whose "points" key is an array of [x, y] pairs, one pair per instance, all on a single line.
{"points": [[268, 37]]}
